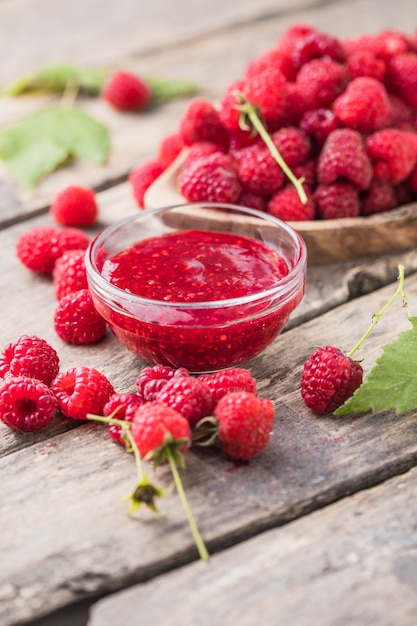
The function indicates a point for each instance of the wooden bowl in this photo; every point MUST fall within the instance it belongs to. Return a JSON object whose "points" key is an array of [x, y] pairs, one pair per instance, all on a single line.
{"points": [[327, 240]]}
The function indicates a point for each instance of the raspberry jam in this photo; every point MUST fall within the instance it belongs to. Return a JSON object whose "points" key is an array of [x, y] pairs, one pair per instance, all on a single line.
{"points": [[194, 298]]}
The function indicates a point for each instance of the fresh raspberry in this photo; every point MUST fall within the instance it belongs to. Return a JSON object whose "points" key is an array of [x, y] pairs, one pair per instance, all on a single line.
{"points": [[81, 390], [210, 179], [293, 144], [401, 112], [201, 122], [384, 45], [142, 177], [344, 158], [69, 273], [286, 205], [39, 248], [155, 426], [76, 319], [169, 148], [366, 63], [328, 379], [34, 249], [397, 149], [336, 201], [225, 381], [126, 92], [379, 197], [121, 406], [245, 423], [290, 38], [252, 201], [364, 105], [258, 171], [201, 149], [296, 106], [402, 77], [316, 45], [268, 91], [153, 378], [75, 206], [273, 57], [308, 172], [319, 123], [229, 109], [187, 395], [320, 82], [26, 404], [30, 356]]}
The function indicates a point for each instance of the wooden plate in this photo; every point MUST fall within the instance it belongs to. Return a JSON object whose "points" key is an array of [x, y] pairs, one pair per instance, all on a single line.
{"points": [[327, 240]]}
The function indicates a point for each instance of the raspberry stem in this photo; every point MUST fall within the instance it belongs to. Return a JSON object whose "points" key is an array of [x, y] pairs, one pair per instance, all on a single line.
{"points": [[250, 111], [377, 316], [202, 550]]}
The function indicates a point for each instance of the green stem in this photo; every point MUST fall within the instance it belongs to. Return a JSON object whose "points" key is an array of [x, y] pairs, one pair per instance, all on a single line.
{"points": [[138, 458], [202, 550], [250, 111], [377, 316]]}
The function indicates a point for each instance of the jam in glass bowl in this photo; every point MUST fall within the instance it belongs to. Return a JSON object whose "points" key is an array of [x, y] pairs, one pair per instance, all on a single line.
{"points": [[200, 286]]}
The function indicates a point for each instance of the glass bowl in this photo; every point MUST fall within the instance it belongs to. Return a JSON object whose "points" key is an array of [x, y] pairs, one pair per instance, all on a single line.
{"points": [[158, 304]]}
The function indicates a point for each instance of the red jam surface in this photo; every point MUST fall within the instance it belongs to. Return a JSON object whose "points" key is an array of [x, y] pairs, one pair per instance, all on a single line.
{"points": [[193, 267]]}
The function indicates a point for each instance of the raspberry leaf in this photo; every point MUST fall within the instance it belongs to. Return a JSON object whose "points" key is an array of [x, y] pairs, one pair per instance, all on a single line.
{"points": [[392, 382], [35, 146], [163, 89], [56, 78]]}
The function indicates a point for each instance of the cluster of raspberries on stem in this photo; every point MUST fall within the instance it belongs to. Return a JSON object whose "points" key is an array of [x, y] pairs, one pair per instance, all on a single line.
{"points": [[341, 112]]}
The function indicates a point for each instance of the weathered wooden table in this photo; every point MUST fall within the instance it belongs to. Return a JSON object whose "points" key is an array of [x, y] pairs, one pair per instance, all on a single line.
{"points": [[319, 529]]}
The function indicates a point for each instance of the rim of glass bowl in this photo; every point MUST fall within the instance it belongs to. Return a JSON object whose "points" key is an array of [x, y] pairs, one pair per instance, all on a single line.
{"points": [[285, 285]]}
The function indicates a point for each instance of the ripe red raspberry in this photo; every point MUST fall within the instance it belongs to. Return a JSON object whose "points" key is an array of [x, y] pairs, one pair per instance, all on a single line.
{"points": [[30, 356], [315, 45], [69, 273], [169, 148], [397, 149], [293, 144], [34, 249], [210, 179], [336, 201], [320, 82], [121, 406], [76, 319], [328, 379], [344, 158], [229, 109], [153, 378], [319, 123], [126, 92], [201, 149], [384, 45], [366, 63], [245, 423], [26, 404], [402, 77], [291, 36], [225, 381], [81, 390], [75, 206], [252, 200], [273, 57], [379, 197], [156, 426], [187, 395], [268, 91], [258, 171], [201, 122], [286, 205], [142, 177], [39, 248], [364, 105]]}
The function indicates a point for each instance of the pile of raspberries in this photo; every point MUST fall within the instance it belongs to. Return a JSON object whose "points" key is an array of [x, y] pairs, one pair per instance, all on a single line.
{"points": [[341, 112]]}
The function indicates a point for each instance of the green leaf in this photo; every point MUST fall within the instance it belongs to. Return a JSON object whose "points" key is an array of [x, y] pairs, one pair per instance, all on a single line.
{"points": [[162, 89], [392, 382], [38, 144], [56, 79]]}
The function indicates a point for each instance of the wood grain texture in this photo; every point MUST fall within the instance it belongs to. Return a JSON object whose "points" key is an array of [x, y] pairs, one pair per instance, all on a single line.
{"points": [[353, 563]]}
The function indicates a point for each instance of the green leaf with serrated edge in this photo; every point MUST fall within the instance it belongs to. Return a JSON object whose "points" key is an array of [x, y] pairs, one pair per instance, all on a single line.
{"points": [[392, 382], [38, 144], [56, 78]]}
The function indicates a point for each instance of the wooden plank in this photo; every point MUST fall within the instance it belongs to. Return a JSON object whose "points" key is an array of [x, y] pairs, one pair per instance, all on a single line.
{"points": [[61, 497], [355, 562]]}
